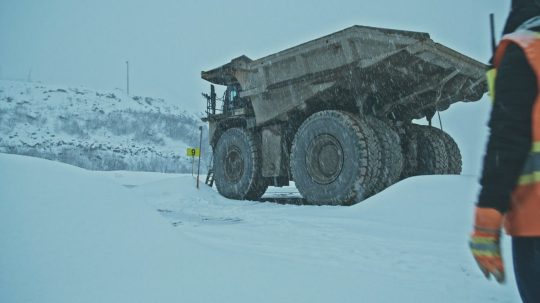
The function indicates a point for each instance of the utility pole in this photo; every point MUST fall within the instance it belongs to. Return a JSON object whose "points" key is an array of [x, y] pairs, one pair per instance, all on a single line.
{"points": [[200, 152], [127, 77]]}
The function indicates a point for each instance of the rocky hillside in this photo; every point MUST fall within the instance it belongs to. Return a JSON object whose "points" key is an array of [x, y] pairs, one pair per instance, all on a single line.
{"points": [[97, 130]]}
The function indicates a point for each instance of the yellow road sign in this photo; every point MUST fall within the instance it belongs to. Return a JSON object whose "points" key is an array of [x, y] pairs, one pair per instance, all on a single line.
{"points": [[193, 152]]}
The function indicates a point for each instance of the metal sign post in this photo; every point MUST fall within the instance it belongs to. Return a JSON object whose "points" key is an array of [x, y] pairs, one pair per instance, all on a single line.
{"points": [[200, 148]]}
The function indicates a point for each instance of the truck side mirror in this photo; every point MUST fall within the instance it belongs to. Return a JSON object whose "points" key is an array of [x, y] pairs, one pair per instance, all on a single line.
{"points": [[213, 98]]}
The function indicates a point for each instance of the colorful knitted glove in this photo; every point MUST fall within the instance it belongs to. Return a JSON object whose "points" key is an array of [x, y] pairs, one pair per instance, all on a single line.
{"points": [[485, 242]]}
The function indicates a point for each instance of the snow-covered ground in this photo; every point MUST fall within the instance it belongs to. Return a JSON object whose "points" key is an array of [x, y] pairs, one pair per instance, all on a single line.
{"points": [[71, 235]]}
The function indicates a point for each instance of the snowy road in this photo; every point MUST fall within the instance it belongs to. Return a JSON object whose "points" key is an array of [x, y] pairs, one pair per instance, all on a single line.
{"points": [[407, 244]]}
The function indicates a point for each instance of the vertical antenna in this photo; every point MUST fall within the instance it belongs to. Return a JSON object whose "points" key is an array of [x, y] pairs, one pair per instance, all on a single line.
{"points": [[492, 28]]}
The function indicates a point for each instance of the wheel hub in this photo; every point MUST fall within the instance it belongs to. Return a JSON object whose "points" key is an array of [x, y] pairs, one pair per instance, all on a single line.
{"points": [[234, 164], [324, 159]]}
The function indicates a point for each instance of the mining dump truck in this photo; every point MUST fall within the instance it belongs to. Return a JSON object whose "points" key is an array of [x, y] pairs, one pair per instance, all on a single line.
{"points": [[335, 115]]}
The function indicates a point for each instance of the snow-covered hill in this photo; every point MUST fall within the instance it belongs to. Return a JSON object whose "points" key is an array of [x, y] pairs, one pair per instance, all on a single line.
{"points": [[96, 130], [71, 235]]}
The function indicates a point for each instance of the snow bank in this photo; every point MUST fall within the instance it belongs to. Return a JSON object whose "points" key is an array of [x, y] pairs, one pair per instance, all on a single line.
{"points": [[70, 235], [96, 130]]}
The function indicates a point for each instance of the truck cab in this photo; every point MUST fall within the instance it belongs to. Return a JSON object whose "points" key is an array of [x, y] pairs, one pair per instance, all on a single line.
{"points": [[231, 103]]}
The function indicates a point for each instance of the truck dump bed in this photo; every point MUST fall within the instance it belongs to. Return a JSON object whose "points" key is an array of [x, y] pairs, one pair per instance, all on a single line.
{"points": [[404, 73]]}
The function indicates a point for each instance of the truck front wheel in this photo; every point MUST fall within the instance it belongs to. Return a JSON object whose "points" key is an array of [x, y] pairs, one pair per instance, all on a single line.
{"points": [[237, 165], [335, 158]]}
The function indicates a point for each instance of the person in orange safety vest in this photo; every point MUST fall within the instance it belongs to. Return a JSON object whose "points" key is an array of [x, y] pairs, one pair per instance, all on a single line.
{"points": [[510, 194]]}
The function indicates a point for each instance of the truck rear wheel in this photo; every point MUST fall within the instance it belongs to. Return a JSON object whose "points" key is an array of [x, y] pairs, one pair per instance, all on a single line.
{"points": [[392, 155], [335, 158], [237, 166], [438, 153], [454, 155]]}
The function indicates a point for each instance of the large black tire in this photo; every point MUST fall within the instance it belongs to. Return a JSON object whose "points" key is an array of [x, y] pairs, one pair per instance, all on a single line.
{"points": [[335, 159], [410, 151], [392, 155], [454, 155], [237, 165], [438, 153]]}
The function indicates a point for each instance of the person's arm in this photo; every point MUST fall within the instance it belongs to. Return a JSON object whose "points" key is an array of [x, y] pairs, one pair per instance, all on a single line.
{"points": [[510, 130]]}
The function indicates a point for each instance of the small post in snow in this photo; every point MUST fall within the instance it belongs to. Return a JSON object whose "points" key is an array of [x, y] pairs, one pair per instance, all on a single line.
{"points": [[192, 166], [200, 151]]}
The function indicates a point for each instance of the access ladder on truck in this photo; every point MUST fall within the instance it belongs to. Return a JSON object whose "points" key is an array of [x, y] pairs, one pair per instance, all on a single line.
{"points": [[210, 176]]}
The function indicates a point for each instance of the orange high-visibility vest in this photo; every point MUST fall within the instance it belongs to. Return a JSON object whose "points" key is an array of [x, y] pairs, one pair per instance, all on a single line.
{"points": [[523, 218]]}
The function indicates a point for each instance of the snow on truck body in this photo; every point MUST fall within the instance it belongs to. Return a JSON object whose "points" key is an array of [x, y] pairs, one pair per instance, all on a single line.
{"points": [[335, 114]]}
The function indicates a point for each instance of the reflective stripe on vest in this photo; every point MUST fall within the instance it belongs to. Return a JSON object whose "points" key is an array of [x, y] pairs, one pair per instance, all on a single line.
{"points": [[523, 218], [531, 170]]}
